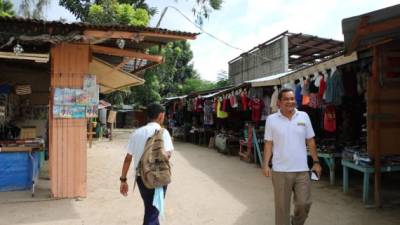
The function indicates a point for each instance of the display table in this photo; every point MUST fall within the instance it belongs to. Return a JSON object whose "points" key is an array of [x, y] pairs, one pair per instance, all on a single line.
{"points": [[19, 168], [366, 170], [330, 161]]}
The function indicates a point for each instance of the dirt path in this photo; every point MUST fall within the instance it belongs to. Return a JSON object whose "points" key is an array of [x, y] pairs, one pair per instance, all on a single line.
{"points": [[208, 189]]}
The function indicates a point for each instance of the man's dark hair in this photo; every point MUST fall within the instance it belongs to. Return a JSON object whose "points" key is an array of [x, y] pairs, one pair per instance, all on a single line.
{"points": [[153, 110], [284, 90]]}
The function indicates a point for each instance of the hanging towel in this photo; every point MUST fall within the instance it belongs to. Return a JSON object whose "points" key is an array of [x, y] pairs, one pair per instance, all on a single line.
{"points": [[158, 201]]}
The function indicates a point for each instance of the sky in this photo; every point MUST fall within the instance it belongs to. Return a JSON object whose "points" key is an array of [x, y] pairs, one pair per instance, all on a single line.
{"points": [[247, 23]]}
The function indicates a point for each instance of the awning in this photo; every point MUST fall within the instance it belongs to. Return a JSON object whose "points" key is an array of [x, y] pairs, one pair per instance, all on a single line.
{"points": [[37, 57], [111, 79], [175, 97], [282, 78], [103, 104], [269, 80], [215, 93]]}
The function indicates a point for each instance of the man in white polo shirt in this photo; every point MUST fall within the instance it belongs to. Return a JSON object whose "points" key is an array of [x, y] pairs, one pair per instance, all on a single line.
{"points": [[286, 134], [135, 149]]}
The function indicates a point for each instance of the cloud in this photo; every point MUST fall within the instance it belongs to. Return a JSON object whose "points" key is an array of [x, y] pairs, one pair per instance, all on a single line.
{"points": [[247, 23]]}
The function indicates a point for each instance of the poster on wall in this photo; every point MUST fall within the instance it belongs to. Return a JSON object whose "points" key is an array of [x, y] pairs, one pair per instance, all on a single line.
{"points": [[77, 103], [78, 111], [82, 97], [57, 111], [58, 96], [69, 96]]}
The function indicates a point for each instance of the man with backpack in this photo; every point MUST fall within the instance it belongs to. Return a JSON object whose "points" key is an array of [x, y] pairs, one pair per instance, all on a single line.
{"points": [[151, 147]]}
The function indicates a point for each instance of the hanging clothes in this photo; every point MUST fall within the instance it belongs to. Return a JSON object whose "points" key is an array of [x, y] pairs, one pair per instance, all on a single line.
{"points": [[267, 107], [232, 100], [334, 88], [322, 86], [315, 101], [244, 100], [215, 104], [305, 87], [274, 101], [221, 114], [298, 96], [330, 118], [305, 100], [224, 105], [312, 87], [256, 105], [208, 112]]}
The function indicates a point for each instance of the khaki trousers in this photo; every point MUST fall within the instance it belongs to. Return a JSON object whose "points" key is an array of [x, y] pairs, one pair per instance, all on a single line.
{"points": [[284, 184]]}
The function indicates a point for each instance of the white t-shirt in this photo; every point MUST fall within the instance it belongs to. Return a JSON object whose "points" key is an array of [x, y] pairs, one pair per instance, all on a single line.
{"points": [[138, 138], [289, 141]]}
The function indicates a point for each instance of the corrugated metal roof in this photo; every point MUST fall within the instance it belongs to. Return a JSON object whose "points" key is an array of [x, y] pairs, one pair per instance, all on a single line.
{"points": [[34, 24], [350, 26], [303, 48]]}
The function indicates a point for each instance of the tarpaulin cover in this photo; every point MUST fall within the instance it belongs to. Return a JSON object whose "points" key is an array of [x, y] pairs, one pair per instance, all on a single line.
{"points": [[17, 170]]}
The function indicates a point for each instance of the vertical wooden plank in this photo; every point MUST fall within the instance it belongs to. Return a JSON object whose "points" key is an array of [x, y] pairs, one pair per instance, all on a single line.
{"points": [[374, 107], [71, 61]]}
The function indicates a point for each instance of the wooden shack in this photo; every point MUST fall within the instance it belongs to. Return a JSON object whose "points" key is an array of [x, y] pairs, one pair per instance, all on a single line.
{"points": [[65, 54], [377, 35]]}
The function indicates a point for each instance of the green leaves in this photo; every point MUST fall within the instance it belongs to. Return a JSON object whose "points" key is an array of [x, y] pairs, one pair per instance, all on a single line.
{"points": [[111, 12], [6, 8]]}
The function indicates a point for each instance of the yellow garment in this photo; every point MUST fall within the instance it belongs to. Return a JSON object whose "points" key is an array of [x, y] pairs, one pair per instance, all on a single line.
{"points": [[221, 114]]}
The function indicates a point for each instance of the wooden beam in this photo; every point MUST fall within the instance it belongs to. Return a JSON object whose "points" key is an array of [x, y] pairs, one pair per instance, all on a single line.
{"points": [[379, 27], [126, 60], [149, 65], [90, 34], [126, 53], [357, 35], [37, 57], [315, 46]]}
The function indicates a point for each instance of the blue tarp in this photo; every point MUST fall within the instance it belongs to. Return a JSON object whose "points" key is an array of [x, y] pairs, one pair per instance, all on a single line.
{"points": [[17, 171]]}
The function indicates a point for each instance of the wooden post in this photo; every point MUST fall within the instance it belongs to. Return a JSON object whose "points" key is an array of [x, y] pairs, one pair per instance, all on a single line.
{"points": [[112, 116], [111, 130], [375, 109], [90, 133]]}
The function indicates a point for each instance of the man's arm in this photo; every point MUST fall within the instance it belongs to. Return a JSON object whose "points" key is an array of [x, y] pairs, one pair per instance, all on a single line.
{"points": [[314, 155], [267, 157], [125, 168]]}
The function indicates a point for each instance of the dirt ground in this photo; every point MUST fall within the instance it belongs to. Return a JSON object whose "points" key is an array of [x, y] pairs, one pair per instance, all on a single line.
{"points": [[208, 189]]}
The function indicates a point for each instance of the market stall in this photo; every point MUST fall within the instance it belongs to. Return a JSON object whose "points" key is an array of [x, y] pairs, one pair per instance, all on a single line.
{"points": [[23, 123], [67, 58], [376, 35]]}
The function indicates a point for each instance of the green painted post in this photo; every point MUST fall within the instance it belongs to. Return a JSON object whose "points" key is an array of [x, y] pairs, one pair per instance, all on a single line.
{"points": [[345, 179], [365, 187]]}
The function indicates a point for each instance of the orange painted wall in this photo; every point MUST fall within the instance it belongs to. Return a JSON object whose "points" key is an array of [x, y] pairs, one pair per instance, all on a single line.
{"points": [[67, 137]]}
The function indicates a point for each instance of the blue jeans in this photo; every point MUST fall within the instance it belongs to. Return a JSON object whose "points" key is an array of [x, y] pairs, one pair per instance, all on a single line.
{"points": [[150, 212]]}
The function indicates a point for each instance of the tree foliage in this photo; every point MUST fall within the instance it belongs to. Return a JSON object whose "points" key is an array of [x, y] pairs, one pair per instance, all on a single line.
{"points": [[33, 8], [81, 8], [176, 76], [204, 8], [6, 8], [112, 12]]}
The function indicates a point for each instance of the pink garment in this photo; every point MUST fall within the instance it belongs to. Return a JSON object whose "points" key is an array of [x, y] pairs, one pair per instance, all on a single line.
{"points": [[315, 101]]}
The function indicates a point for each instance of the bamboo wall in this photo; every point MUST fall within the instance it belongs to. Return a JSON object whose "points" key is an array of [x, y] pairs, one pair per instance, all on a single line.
{"points": [[68, 137]]}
